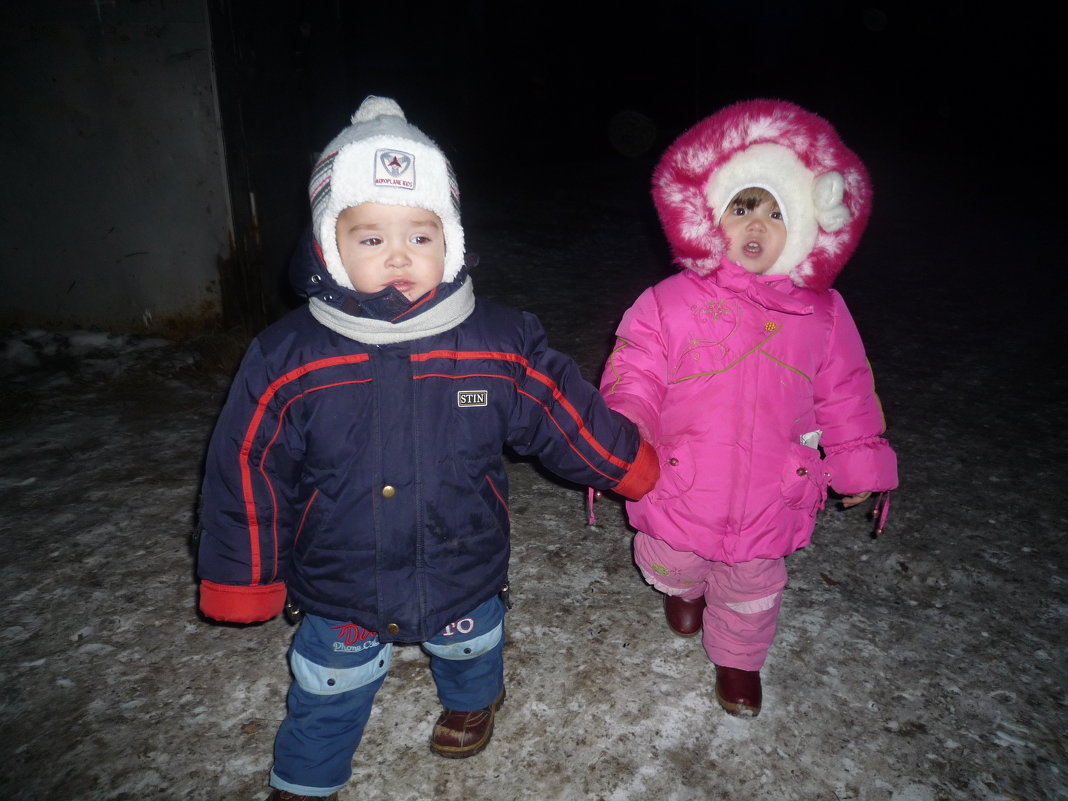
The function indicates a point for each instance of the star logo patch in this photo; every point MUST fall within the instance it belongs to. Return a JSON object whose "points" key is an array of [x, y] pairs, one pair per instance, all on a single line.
{"points": [[395, 168]]}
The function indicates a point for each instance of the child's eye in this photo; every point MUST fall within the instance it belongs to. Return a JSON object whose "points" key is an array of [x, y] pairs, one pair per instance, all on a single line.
{"points": [[776, 215], [739, 211], [371, 240], [421, 239]]}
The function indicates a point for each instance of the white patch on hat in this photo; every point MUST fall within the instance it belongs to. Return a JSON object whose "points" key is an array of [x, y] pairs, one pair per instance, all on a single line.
{"points": [[395, 168]]}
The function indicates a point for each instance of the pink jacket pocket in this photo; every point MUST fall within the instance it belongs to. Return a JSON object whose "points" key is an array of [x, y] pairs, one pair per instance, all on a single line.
{"points": [[804, 479], [678, 469]]}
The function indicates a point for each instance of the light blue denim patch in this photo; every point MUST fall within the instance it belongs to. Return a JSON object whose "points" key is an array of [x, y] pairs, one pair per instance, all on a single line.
{"points": [[319, 680], [468, 649]]}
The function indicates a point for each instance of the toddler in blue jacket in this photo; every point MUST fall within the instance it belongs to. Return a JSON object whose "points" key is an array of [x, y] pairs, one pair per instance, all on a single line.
{"points": [[356, 474]]}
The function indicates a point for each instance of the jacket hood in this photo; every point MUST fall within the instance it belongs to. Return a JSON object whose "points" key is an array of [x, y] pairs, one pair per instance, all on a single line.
{"points": [[822, 188]]}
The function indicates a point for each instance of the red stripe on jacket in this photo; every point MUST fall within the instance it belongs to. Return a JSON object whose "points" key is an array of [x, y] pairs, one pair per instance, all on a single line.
{"points": [[537, 376], [246, 448]]}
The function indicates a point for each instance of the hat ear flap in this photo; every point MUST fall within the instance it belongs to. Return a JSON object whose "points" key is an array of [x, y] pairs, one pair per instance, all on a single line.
{"points": [[827, 193]]}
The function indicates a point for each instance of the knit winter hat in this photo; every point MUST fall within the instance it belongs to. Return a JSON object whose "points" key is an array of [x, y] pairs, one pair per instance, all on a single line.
{"points": [[822, 188], [381, 158]]}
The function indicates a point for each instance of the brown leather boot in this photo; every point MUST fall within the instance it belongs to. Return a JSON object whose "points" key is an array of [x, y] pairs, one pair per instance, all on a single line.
{"points": [[463, 734], [683, 616], [285, 795], [738, 691]]}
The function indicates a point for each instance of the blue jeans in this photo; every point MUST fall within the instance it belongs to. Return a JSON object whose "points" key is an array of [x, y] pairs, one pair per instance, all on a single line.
{"points": [[337, 670]]}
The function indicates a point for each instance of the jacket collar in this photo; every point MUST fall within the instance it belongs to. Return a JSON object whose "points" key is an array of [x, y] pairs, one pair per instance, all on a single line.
{"points": [[426, 317], [382, 317], [773, 292]]}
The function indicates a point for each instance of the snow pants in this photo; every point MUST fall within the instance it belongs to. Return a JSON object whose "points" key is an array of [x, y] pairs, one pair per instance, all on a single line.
{"points": [[742, 600], [338, 668]]}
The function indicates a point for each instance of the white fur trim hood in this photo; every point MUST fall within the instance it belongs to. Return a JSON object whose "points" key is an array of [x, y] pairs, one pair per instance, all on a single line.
{"points": [[821, 186]]}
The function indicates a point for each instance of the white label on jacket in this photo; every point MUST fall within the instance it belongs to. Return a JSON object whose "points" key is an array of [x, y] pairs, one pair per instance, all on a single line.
{"points": [[812, 438], [472, 397]]}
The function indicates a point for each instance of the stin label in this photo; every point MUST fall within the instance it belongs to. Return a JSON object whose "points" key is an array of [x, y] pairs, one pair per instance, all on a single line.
{"points": [[472, 397]]}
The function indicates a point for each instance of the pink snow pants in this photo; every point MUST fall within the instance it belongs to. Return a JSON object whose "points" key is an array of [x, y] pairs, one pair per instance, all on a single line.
{"points": [[742, 600]]}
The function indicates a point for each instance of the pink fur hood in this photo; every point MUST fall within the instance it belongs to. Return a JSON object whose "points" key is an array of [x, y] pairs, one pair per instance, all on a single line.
{"points": [[822, 187]]}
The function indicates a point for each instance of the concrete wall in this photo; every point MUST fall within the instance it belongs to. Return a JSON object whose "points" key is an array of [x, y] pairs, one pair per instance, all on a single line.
{"points": [[114, 212]]}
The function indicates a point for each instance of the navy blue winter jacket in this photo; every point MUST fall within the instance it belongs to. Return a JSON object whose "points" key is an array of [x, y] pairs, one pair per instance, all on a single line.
{"points": [[367, 481]]}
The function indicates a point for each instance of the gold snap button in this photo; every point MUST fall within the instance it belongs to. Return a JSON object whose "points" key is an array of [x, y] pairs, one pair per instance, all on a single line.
{"points": [[802, 471], [392, 628], [388, 491], [673, 461]]}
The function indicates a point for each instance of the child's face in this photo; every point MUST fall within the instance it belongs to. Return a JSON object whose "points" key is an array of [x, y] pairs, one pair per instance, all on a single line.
{"points": [[398, 246], [757, 235]]}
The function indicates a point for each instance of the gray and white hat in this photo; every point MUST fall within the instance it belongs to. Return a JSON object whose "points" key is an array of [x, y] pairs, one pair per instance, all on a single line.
{"points": [[381, 158]]}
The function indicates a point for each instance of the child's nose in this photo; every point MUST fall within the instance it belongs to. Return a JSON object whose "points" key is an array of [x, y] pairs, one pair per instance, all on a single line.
{"points": [[398, 257]]}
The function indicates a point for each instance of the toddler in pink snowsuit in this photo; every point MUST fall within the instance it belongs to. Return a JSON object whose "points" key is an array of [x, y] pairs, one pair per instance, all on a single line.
{"points": [[747, 373]]}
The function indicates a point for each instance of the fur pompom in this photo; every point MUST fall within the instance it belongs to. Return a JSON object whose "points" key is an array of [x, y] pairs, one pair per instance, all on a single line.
{"points": [[374, 106]]}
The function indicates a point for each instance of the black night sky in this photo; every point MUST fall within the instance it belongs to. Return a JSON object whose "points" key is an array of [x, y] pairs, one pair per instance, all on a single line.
{"points": [[507, 87], [546, 78]]}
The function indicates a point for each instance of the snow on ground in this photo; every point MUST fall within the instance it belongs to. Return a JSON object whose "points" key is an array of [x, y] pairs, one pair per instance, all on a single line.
{"points": [[925, 665]]}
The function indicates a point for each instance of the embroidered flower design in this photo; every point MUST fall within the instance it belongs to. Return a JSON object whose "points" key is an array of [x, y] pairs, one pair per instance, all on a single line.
{"points": [[713, 309]]}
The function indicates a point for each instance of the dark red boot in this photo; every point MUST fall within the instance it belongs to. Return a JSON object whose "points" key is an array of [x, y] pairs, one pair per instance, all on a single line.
{"points": [[738, 691], [683, 616]]}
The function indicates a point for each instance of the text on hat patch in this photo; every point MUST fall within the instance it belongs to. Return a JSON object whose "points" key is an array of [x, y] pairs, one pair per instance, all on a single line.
{"points": [[395, 168]]}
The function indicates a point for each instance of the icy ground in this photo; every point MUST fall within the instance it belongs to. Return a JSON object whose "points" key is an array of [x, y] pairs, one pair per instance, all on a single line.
{"points": [[926, 665]]}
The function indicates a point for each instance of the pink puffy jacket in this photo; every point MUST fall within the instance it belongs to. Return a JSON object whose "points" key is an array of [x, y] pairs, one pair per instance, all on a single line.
{"points": [[735, 379]]}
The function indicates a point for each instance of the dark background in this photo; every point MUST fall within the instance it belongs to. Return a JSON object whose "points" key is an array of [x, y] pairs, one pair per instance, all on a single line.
{"points": [[516, 91]]}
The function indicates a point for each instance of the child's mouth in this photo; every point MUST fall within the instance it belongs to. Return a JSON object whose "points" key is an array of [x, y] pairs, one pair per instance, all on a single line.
{"points": [[752, 248]]}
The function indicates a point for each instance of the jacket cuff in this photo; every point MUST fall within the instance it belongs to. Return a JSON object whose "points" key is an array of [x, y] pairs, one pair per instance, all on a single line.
{"points": [[642, 475], [866, 466], [235, 604]]}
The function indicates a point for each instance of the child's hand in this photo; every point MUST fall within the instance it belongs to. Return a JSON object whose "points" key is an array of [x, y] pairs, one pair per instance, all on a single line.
{"points": [[853, 500]]}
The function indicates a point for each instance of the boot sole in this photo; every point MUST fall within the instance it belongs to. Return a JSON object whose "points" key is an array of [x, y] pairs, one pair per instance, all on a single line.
{"points": [[736, 709], [683, 634]]}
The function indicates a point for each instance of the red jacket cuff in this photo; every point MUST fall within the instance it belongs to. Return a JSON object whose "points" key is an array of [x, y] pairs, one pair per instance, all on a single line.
{"points": [[643, 474], [235, 604]]}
